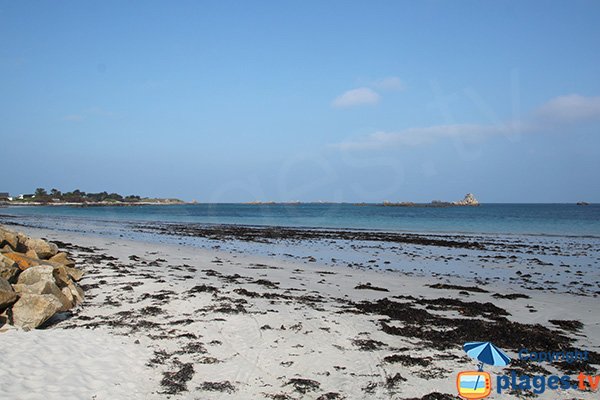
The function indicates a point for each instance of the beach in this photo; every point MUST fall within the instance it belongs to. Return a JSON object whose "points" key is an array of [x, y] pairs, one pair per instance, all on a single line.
{"points": [[276, 316], [311, 200]]}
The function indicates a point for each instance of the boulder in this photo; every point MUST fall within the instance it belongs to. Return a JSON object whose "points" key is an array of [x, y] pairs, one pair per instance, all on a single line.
{"points": [[67, 293], [74, 273], [9, 269], [21, 240], [8, 238], [77, 292], [6, 249], [7, 294], [47, 287], [32, 310], [36, 274], [62, 258], [43, 248], [32, 254], [61, 276], [22, 260]]}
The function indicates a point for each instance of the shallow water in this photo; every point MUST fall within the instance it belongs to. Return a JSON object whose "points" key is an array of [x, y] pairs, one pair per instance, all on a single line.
{"points": [[534, 219]]}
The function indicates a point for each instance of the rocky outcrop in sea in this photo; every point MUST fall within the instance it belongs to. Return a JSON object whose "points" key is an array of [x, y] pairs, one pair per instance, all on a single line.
{"points": [[469, 200], [36, 280]]}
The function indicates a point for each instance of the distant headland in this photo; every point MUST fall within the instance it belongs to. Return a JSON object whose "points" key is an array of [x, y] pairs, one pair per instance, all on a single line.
{"points": [[79, 198]]}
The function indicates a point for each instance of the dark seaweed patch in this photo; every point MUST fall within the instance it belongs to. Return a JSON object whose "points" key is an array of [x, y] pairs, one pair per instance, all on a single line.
{"points": [[457, 287], [368, 286], [176, 382], [304, 386], [567, 325], [224, 386]]}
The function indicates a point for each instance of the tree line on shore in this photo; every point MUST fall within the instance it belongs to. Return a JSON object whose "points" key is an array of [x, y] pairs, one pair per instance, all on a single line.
{"points": [[78, 196]]}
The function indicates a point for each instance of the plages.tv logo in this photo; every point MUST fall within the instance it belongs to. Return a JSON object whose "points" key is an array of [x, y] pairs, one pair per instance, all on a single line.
{"points": [[478, 384]]}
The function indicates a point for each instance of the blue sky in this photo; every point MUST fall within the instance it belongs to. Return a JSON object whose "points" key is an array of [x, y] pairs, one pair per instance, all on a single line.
{"points": [[312, 100]]}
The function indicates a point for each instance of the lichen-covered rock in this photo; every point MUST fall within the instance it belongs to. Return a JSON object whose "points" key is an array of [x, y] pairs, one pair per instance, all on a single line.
{"points": [[22, 260], [43, 249], [32, 310], [9, 269], [7, 294]]}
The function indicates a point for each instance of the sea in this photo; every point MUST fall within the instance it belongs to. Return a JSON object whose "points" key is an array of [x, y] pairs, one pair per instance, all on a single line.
{"points": [[506, 219]]}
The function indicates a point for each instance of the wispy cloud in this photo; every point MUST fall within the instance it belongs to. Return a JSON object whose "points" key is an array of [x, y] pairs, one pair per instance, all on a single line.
{"points": [[392, 83], [356, 97], [423, 135], [572, 107], [551, 115]]}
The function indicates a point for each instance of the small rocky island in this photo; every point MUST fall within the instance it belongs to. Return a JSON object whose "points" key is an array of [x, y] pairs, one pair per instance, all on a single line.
{"points": [[469, 200]]}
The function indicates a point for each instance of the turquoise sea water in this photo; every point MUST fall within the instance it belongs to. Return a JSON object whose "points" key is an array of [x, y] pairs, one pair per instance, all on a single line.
{"points": [[535, 219]]}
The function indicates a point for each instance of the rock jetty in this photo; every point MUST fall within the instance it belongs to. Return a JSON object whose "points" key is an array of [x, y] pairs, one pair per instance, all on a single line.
{"points": [[37, 281]]}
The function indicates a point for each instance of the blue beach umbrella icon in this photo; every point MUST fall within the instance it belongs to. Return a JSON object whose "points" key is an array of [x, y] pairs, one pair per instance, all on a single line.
{"points": [[486, 353]]}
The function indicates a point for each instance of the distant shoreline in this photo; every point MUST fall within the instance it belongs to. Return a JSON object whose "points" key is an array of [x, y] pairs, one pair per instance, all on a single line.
{"points": [[96, 204]]}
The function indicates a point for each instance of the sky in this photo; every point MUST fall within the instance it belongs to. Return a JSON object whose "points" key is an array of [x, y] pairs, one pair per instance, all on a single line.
{"points": [[223, 101]]}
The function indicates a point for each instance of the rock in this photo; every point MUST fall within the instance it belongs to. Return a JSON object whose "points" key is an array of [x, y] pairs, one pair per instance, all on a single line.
{"points": [[21, 240], [67, 293], [469, 200], [62, 258], [3, 320], [74, 273], [47, 287], [9, 269], [36, 274], [43, 248], [77, 292], [22, 260], [7, 294], [6, 249], [32, 254], [32, 310], [61, 276], [8, 238]]}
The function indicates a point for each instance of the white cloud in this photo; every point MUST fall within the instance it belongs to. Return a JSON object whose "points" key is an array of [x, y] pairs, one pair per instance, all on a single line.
{"points": [[572, 107], [424, 135], [550, 117], [356, 97], [390, 83]]}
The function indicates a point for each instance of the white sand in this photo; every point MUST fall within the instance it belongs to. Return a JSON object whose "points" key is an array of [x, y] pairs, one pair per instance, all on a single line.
{"points": [[72, 364], [94, 360]]}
